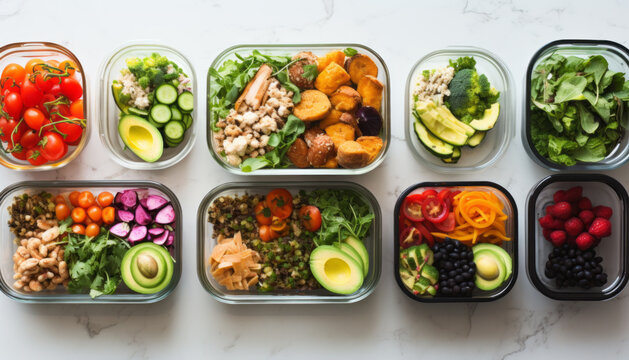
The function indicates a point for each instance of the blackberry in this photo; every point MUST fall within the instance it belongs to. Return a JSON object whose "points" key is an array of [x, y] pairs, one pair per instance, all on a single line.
{"points": [[455, 262], [572, 267]]}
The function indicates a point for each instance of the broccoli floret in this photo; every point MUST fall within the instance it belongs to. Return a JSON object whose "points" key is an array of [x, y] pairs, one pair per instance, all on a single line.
{"points": [[144, 82], [149, 62], [465, 62], [161, 61], [485, 87], [470, 95], [156, 75], [135, 65]]}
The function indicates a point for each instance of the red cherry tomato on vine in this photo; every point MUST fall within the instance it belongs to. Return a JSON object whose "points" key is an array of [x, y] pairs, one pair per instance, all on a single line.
{"points": [[19, 153], [30, 65], [30, 139], [280, 202], [52, 146], [310, 217], [70, 132], [76, 109], [69, 66], [45, 82], [34, 118], [31, 95], [13, 105], [35, 157], [71, 88], [9, 85], [15, 72], [55, 90]]}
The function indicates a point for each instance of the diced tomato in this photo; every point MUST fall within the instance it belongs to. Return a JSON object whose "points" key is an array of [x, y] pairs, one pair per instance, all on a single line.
{"points": [[443, 194], [429, 192], [410, 236], [447, 225], [434, 209], [425, 233], [412, 207]]}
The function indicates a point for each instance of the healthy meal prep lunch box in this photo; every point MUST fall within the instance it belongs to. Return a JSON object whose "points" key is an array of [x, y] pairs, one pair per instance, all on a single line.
{"points": [[556, 265], [455, 242], [338, 91], [24, 195], [600, 117], [477, 147], [52, 54], [148, 115], [288, 268]]}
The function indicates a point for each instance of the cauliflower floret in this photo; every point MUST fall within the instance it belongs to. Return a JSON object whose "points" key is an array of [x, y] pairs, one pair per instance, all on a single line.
{"points": [[274, 102], [266, 125]]}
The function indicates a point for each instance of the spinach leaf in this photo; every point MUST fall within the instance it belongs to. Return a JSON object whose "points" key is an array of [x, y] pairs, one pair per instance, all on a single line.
{"points": [[588, 122], [597, 66], [600, 105], [570, 89]]}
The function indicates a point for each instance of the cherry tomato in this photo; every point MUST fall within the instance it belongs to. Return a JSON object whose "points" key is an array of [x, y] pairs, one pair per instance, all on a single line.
{"points": [[263, 214], [447, 225], [19, 152], [15, 72], [62, 211], [76, 109], [30, 139], [434, 209], [425, 233], [35, 157], [280, 202], [74, 198], [31, 95], [69, 66], [109, 215], [92, 230], [9, 132], [9, 85], [78, 215], [86, 199], [59, 109], [105, 199], [410, 236], [267, 234], [310, 217], [59, 199], [70, 132], [53, 146], [34, 118], [95, 213], [412, 207], [13, 105], [78, 229], [55, 90], [45, 82], [429, 192], [30, 65], [71, 88]]}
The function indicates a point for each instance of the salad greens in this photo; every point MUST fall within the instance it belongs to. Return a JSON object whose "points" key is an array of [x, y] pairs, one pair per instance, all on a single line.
{"points": [[229, 80], [343, 214], [578, 108]]}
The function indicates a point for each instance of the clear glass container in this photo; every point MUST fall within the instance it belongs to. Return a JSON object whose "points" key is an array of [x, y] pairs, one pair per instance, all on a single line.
{"points": [[511, 230], [617, 57], [602, 190], [21, 53], [497, 139], [61, 295], [109, 112], [319, 50], [205, 243]]}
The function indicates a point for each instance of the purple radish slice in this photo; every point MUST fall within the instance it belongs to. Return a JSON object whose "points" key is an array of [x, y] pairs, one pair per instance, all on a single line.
{"points": [[155, 202], [161, 240], [156, 231], [171, 239], [165, 215], [125, 216], [121, 230], [129, 199], [142, 217], [138, 233], [143, 203]]}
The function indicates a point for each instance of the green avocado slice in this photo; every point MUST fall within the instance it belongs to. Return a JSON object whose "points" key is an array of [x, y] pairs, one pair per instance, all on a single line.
{"points": [[335, 270], [141, 137], [147, 268]]}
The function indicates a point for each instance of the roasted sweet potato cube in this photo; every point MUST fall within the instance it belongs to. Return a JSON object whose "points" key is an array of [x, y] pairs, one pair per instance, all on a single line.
{"points": [[336, 56], [372, 144], [332, 118], [314, 105], [352, 155], [370, 89], [345, 99], [331, 78], [340, 133], [359, 66]]}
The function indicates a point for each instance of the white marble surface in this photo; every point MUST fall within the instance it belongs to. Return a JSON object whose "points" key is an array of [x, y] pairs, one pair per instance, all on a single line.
{"points": [[190, 324]]}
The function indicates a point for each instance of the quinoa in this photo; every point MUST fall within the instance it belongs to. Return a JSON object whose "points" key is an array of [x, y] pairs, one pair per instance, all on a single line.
{"points": [[433, 85]]}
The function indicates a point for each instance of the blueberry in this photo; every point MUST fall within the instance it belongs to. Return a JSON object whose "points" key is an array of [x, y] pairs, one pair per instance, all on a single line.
{"points": [[446, 291]]}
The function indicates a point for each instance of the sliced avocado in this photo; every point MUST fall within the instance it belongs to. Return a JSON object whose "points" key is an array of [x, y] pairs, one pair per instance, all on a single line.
{"points": [[335, 270], [442, 124], [147, 268], [138, 112], [431, 273], [141, 137], [120, 98], [361, 250], [450, 119], [456, 155], [490, 269], [431, 143], [351, 252], [508, 261], [488, 120], [476, 139]]}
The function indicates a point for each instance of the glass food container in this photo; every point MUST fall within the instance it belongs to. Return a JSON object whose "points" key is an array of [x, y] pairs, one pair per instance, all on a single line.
{"points": [[61, 295], [290, 50], [511, 230], [205, 243], [617, 57], [602, 190], [109, 113], [496, 141], [21, 53]]}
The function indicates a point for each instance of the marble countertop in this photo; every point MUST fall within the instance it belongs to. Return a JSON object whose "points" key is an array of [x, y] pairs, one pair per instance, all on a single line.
{"points": [[190, 323]]}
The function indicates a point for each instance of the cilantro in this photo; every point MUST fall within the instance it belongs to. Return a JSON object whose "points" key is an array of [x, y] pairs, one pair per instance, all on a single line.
{"points": [[350, 52], [310, 72]]}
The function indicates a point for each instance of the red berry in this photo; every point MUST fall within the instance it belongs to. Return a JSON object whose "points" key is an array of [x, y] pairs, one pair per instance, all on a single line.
{"points": [[585, 241], [561, 210], [600, 227], [586, 216], [559, 196], [573, 194], [558, 237], [573, 226], [548, 209], [558, 224], [585, 204], [546, 233], [546, 221], [603, 211]]}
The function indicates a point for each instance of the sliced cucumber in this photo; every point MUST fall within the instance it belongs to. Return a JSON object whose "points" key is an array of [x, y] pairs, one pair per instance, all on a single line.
{"points": [[161, 113], [174, 130], [155, 123], [456, 155], [138, 112], [176, 114], [187, 120], [476, 139], [185, 101], [432, 143], [171, 143], [166, 94]]}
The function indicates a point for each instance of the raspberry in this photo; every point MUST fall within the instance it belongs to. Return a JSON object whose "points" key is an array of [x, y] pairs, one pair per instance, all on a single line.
{"points": [[585, 204], [558, 237], [546, 233], [603, 211], [573, 226], [557, 224], [559, 196], [586, 216], [561, 210], [573, 194], [600, 227], [546, 221], [585, 241], [548, 209]]}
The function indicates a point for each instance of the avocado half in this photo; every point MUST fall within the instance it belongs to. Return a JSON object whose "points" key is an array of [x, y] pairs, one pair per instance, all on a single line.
{"points": [[493, 266], [360, 248], [335, 270], [147, 268], [141, 137]]}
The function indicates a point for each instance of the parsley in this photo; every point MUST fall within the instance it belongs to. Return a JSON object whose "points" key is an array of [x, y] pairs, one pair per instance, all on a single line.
{"points": [[350, 52], [310, 72]]}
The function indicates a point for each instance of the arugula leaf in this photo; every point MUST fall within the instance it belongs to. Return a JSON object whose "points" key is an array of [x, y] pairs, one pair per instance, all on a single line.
{"points": [[310, 72], [350, 52]]}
